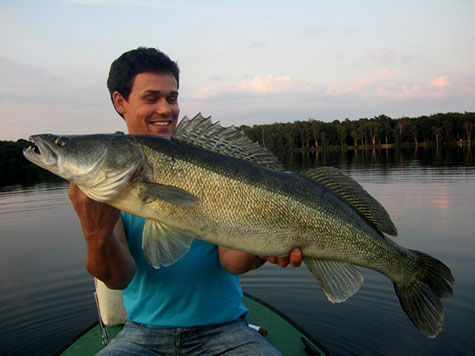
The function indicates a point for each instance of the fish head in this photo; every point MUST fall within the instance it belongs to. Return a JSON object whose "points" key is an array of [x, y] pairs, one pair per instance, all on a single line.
{"points": [[101, 165]]}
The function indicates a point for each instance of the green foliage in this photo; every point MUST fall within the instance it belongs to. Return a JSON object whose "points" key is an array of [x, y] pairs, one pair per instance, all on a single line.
{"points": [[380, 130], [15, 169]]}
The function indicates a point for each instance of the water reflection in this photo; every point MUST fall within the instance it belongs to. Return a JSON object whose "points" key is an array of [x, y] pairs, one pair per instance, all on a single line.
{"points": [[383, 158], [429, 195], [46, 293]]}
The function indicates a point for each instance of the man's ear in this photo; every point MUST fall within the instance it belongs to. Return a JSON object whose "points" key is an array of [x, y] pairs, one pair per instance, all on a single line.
{"points": [[119, 102]]}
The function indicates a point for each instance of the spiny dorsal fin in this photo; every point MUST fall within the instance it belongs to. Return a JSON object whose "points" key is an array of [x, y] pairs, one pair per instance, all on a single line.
{"points": [[354, 194], [200, 132]]}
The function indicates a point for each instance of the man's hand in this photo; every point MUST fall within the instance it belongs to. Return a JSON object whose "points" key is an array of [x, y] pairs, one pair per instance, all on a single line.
{"points": [[294, 259], [108, 255], [237, 262], [97, 219]]}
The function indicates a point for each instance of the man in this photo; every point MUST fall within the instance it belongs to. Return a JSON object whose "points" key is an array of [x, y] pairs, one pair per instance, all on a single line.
{"points": [[193, 306]]}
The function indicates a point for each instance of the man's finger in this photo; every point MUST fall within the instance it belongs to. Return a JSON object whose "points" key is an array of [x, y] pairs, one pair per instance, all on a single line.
{"points": [[283, 261], [296, 257]]}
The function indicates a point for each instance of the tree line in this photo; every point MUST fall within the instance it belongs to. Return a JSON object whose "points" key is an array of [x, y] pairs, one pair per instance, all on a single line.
{"points": [[378, 131], [296, 136], [15, 169]]}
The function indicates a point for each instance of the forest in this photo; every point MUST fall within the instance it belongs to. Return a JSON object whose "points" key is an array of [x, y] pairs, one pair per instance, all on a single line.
{"points": [[281, 138], [382, 131], [15, 169]]}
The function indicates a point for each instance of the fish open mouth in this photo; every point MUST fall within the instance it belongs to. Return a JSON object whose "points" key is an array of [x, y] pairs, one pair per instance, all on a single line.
{"points": [[41, 153], [34, 148]]}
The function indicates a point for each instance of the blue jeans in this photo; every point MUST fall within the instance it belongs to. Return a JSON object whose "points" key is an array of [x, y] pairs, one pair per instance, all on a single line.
{"points": [[234, 338]]}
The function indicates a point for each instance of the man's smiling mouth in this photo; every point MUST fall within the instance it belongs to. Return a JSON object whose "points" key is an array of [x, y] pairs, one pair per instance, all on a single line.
{"points": [[161, 123]]}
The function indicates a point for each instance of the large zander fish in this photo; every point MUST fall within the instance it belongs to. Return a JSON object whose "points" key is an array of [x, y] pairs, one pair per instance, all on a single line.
{"points": [[214, 184]]}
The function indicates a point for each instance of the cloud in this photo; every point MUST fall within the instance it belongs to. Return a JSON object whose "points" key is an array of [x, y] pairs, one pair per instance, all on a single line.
{"points": [[404, 91], [6, 25], [257, 45], [341, 87], [383, 55], [386, 88], [206, 93], [10, 128], [264, 84], [27, 84], [269, 98], [216, 52], [387, 72], [440, 82], [35, 100], [268, 84]]}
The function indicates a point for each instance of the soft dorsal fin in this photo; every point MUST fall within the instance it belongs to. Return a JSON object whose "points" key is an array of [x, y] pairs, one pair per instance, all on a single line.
{"points": [[354, 194], [200, 132]]}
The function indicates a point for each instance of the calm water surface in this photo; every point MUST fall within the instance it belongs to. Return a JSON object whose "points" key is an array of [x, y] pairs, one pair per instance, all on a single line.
{"points": [[46, 294]]}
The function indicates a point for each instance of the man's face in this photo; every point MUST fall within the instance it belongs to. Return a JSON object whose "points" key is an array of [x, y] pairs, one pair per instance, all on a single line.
{"points": [[152, 107]]}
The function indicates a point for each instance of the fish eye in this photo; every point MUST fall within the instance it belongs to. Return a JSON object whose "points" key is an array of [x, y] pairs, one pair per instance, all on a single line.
{"points": [[60, 141]]}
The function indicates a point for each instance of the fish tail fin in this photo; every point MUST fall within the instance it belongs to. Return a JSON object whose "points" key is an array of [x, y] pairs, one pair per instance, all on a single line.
{"points": [[420, 298]]}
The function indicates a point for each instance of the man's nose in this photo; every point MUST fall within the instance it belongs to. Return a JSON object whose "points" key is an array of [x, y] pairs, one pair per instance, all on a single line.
{"points": [[163, 107]]}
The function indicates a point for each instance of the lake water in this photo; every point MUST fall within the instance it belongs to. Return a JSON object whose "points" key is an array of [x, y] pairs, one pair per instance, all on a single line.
{"points": [[46, 295]]}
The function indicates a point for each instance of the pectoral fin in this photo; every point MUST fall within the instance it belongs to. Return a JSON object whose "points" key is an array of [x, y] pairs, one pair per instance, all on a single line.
{"points": [[338, 280], [163, 245], [170, 194]]}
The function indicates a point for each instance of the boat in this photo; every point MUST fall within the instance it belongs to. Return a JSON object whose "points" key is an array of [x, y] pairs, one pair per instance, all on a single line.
{"points": [[282, 332]]}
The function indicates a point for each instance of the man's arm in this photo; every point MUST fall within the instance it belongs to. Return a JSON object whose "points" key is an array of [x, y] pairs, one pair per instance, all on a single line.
{"points": [[108, 255], [236, 262]]}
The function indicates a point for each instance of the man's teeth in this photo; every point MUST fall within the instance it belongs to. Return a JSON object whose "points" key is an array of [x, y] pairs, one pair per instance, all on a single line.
{"points": [[161, 123]]}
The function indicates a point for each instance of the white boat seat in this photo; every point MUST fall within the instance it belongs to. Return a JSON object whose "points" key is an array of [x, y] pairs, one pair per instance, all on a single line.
{"points": [[110, 304]]}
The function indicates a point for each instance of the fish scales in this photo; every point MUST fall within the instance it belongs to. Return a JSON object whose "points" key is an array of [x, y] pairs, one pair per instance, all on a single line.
{"points": [[252, 207], [242, 205]]}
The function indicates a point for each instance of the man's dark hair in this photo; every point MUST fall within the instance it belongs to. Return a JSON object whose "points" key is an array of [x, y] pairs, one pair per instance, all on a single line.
{"points": [[141, 60]]}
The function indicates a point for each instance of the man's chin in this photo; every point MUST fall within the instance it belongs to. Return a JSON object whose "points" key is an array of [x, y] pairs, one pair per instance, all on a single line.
{"points": [[166, 130]]}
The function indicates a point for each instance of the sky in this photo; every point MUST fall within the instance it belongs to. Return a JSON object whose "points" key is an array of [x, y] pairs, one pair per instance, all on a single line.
{"points": [[241, 62]]}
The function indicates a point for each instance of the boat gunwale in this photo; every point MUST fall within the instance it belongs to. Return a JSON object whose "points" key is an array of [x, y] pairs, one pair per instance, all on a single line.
{"points": [[76, 338], [290, 321]]}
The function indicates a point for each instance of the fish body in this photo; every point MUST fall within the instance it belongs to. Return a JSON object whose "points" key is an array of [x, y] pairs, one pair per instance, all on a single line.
{"points": [[212, 183], [245, 206]]}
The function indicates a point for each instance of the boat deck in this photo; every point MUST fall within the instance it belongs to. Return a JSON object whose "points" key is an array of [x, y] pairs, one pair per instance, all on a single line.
{"points": [[283, 333]]}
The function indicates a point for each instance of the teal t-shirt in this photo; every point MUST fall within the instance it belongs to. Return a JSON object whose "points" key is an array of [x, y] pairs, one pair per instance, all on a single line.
{"points": [[194, 291]]}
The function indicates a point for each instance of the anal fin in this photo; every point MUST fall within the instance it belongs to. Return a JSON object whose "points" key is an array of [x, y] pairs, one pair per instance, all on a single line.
{"points": [[164, 245], [338, 280]]}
